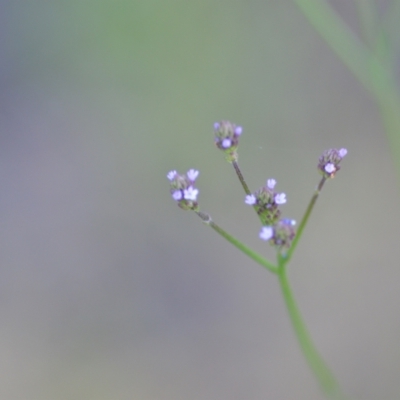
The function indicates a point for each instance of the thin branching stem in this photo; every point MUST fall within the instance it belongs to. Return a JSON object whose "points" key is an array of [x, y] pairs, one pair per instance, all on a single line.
{"points": [[303, 222], [258, 258]]}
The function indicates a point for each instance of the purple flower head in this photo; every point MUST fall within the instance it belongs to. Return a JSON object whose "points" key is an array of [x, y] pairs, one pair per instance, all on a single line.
{"points": [[330, 168], [182, 189], [342, 152], [238, 130], [226, 143], [266, 233], [280, 198], [250, 199], [288, 221], [328, 163], [177, 195], [171, 175], [271, 183], [192, 174], [190, 193], [226, 138]]}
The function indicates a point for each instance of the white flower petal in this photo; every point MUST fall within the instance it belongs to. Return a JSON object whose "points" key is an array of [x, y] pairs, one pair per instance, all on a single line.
{"points": [[190, 193], [266, 233], [226, 143], [192, 174], [280, 198], [271, 183], [342, 152], [171, 175], [250, 199], [329, 168]]}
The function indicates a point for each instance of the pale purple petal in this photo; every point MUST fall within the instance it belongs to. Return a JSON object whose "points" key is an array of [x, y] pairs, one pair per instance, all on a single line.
{"points": [[329, 168], [177, 195], [238, 130], [266, 233], [192, 174], [342, 152], [280, 198], [190, 193], [216, 126], [250, 199], [171, 175], [271, 183], [290, 222], [226, 143]]}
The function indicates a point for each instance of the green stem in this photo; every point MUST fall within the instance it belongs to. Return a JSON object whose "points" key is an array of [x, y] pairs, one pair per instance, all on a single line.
{"points": [[321, 371], [237, 243], [240, 176], [373, 73], [285, 259]]}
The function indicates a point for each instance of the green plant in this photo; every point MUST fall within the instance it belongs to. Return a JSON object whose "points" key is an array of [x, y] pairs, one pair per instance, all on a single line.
{"points": [[279, 232]]}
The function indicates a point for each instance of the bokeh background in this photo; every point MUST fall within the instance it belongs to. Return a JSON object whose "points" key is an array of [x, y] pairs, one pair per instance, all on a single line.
{"points": [[108, 290]]}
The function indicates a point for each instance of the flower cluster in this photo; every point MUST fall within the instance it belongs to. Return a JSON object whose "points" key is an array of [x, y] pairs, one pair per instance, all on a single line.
{"points": [[328, 163], [266, 201], [281, 234], [227, 138], [183, 190]]}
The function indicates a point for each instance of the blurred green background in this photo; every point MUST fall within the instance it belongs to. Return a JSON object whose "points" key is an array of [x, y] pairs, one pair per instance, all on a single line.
{"points": [[107, 289]]}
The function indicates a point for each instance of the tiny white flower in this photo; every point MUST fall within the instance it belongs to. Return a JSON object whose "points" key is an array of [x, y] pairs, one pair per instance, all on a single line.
{"points": [[266, 233], [280, 198], [171, 175], [330, 168], [190, 193], [238, 130], [226, 143], [177, 195], [342, 152], [192, 174], [250, 199], [271, 183]]}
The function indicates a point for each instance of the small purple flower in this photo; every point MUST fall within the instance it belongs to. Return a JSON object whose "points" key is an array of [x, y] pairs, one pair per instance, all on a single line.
{"points": [[177, 195], [216, 126], [171, 175], [226, 143], [250, 199], [330, 168], [271, 183], [280, 198], [288, 221], [190, 193], [238, 130], [342, 152], [192, 174], [266, 233]]}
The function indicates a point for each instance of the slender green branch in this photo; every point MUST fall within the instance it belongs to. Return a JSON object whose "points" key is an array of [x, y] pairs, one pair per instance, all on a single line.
{"points": [[373, 32], [245, 187], [373, 74], [354, 54], [240, 176], [238, 244], [285, 259], [321, 371], [367, 13]]}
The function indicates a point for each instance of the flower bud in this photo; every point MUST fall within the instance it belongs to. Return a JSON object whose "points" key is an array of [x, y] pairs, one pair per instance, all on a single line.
{"points": [[279, 235], [266, 201], [328, 163], [226, 136]]}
